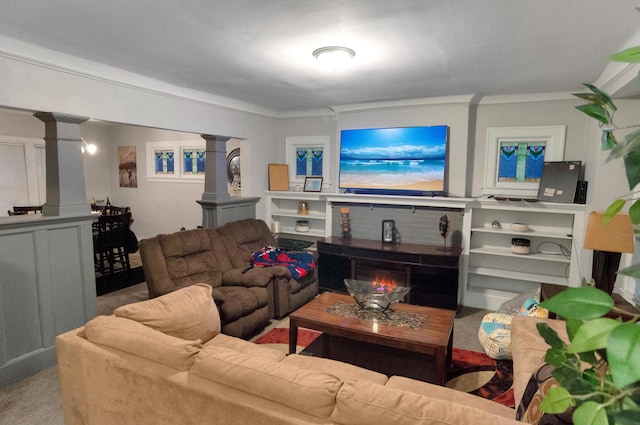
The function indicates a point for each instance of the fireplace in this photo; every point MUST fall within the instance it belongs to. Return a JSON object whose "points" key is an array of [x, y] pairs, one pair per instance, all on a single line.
{"points": [[431, 273], [386, 274]]}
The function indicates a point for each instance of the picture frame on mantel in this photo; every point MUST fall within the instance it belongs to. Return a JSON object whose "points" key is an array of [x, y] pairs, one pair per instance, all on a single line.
{"points": [[515, 159]]}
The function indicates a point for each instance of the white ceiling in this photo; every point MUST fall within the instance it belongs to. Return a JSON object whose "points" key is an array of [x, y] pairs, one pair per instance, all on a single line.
{"points": [[259, 51]]}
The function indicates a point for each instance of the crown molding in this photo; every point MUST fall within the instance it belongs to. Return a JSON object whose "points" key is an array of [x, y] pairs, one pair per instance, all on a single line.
{"points": [[27, 53], [406, 103], [526, 98]]}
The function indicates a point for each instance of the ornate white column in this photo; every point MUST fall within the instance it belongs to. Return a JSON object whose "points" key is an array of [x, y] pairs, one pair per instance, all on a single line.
{"points": [[66, 191]]}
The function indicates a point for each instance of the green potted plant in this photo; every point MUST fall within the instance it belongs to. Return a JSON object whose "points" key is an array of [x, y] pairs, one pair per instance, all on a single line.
{"points": [[598, 370]]}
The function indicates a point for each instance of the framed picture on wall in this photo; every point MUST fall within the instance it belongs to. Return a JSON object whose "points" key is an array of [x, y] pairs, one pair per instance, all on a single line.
{"points": [[127, 166], [180, 161], [309, 156], [515, 158]]}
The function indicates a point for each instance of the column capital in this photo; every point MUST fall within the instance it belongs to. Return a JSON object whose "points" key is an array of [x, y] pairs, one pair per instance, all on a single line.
{"points": [[48, 117]]}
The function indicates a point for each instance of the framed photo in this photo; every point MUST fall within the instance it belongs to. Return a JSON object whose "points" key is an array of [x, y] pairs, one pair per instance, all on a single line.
{"points": [[180, 161], [309, 156], [515, 158], [313, 184], [127, 166]]}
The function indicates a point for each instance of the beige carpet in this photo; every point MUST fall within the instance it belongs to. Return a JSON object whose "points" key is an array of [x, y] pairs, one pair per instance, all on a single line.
{"points": [[37, 400]]}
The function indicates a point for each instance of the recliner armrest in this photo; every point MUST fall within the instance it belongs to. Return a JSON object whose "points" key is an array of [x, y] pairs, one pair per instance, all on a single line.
{"points": [[256, 276]]}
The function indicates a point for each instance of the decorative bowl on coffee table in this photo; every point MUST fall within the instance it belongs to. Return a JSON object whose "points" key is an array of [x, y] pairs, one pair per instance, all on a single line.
{"points": [[373, 295]]}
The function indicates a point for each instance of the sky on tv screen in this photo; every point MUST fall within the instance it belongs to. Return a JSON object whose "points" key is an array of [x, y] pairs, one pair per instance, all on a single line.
{"points": [[409, 158]]}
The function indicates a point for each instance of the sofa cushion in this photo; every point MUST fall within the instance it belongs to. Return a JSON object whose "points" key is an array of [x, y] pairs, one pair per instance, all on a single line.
{"points": [[344, 371], [239, 301], [246, 347], [187, 313], [537, 387], [444, 393], [529, 349], [244, 237], [190, 258], [365, 403], [135, 338], [311, 392]]}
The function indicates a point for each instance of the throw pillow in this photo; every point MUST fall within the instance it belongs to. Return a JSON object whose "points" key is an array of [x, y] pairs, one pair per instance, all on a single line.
{"points": [[134, 338], [187, 313], [529, 409]]}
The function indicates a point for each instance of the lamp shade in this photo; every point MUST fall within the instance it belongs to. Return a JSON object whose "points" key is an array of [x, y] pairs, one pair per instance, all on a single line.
{"points": [[616, 236]]}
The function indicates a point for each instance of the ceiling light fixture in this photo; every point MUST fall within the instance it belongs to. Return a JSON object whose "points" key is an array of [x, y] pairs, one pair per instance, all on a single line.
{"points": [[334, 57], [90, 148]]}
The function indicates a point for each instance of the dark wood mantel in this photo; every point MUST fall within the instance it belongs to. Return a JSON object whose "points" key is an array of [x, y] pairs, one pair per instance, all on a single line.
{"points": [[431, 272]]}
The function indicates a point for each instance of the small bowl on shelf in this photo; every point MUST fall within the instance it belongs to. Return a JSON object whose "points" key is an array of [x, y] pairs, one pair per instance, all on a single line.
{"points": [[519, 227], [302, 226]]}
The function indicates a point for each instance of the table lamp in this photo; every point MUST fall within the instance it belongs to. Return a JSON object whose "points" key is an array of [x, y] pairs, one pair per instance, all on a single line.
{"points": [[608, 243]]}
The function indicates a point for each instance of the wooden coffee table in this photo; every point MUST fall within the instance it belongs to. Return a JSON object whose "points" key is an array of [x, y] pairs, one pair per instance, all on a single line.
{"points": [[422, 353]]}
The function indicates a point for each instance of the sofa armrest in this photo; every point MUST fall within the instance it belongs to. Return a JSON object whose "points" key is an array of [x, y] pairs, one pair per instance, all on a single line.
{"points": [[529, 349], [256, 276], [154, 266]]}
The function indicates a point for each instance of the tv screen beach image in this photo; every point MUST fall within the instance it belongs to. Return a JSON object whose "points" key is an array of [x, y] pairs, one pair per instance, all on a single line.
{"points": [[410, 158]]}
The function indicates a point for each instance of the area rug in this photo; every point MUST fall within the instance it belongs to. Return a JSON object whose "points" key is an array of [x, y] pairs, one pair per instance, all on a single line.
{"points": [[478, 374], [471, 372]]}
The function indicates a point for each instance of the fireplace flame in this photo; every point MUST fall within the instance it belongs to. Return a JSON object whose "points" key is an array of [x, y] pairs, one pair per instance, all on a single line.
{"points": [[384, 284]]}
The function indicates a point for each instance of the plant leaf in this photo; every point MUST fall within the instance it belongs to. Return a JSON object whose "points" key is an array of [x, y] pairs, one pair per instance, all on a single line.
{"points": [[634, 212], [567, 375], [550, 336], [602, 95], [557, 400], [608, 140], [595, 111], [625, 417], [623, 352], [593, 335], [572, 327], [579, 303], [590, 413], [631, 271], [589, 357], [614, 208], [630, 55], [555, 357], [632, 167], [632, 141]]}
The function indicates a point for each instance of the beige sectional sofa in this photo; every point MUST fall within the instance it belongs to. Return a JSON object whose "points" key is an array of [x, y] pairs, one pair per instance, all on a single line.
{"points": [[163, 361], [247, 299]]}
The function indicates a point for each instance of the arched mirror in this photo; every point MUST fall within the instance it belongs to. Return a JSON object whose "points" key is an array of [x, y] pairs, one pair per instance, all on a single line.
{"points": [[233, 165]]}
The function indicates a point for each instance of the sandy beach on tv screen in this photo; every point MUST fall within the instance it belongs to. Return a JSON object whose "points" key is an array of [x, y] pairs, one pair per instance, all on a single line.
{"points": [[427, 185]]}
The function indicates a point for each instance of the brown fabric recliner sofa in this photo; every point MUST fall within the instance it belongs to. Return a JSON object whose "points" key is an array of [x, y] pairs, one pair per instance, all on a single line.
{"points": [[244, 237], [218, 257]]}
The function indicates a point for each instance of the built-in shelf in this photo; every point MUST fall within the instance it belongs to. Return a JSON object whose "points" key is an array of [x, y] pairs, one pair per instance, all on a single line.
{"points": [[493, 273], [509, 274], [282, 208], [533, 256]]}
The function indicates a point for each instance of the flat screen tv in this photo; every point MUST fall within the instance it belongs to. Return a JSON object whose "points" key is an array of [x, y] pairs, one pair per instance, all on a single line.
{"points": [[402, 160]]}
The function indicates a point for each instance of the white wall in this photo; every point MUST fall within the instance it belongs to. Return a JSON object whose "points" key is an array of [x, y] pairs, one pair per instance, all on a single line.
{"points": [[453, 112]]}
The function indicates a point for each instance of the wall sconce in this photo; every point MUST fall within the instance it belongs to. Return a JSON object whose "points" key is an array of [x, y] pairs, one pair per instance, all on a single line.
{"points": [[88, 147], [608, 242]]}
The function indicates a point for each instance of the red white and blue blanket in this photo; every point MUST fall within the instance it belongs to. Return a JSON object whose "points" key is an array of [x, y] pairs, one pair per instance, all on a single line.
{"points": [[298, 263]]}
